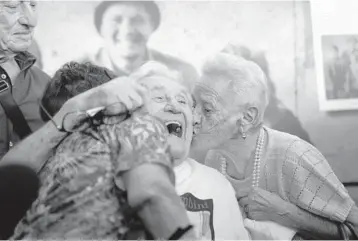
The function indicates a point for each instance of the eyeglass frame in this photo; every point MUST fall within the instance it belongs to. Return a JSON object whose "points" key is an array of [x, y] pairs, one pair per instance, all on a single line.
{"points": [[61, 128]]}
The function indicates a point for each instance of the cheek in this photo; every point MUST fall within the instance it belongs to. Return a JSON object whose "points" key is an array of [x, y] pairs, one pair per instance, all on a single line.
{"points": [[5, 26], [107, 31], [211, 122], [145, 30]]}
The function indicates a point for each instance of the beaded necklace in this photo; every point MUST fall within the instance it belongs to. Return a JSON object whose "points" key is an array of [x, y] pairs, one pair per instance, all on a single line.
{"points": [[257, 161]]}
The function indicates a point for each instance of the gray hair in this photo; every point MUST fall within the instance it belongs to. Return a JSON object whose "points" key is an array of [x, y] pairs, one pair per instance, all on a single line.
{"points": [[243, 77], [156, 69]]}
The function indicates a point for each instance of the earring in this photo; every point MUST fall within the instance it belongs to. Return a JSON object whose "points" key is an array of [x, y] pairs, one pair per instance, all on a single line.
{"points": [[243, 134]]}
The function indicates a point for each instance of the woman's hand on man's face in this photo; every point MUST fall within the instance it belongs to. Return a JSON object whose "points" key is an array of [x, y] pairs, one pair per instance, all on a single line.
{"points": [[261, 205]]}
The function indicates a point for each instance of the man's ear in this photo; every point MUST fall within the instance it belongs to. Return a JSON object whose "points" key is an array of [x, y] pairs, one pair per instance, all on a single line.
{"points": [[250, 116]]}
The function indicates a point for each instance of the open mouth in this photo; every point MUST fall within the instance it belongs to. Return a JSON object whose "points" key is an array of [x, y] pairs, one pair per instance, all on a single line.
{"points": [[174, 128]]}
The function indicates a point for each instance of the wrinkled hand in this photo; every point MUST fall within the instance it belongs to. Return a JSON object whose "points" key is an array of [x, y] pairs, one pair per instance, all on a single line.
{"points": [[266, 230], [262, 205], [118, 96]]}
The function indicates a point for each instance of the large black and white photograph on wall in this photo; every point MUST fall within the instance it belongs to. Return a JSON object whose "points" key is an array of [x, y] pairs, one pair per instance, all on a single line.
{"points": [[338, 72]]}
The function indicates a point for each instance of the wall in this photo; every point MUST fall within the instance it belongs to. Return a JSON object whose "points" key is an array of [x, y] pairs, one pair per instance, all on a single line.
{"points": [[190, 30], [193, 30], [335, 133]]}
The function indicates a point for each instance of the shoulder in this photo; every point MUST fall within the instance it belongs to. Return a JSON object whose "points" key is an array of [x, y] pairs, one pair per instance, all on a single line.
{"points": [[93, 57], [38, 78], [292, 148], [209, 175], [78, 150], [39, 74], [286, 121]]}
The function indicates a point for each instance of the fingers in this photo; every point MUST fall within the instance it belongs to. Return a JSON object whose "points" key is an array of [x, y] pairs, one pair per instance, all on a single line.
{"points": [[249, 224], [141, 89], [243, 192], [128, 97], [244, 201], [115, 109]]}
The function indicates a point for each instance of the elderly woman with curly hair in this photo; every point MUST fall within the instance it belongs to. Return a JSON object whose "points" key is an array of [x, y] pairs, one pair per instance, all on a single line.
{"points": [[281, 181]]}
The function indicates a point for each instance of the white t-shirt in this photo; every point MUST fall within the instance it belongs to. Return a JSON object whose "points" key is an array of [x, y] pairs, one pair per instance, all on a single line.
{"points": [[210, 201]]}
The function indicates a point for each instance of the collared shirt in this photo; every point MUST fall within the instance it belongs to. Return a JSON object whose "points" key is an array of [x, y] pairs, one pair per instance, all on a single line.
{"points": [[187, 71], [27, 90]]}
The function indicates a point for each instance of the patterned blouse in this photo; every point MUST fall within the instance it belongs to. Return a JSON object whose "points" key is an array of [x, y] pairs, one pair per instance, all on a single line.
{"points": [[82, 194], [299, 174]]}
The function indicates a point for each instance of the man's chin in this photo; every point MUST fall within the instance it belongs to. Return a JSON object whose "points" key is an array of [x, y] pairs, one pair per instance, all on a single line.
{"points": [[130, 52], [19, 47]]}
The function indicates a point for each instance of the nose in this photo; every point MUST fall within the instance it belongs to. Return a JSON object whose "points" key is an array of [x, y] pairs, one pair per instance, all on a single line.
{"points": [[28, 16], [172, 108], [126, 27], [197, 118]]}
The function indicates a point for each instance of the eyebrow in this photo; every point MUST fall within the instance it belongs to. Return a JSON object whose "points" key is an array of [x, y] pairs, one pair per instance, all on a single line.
{"points": [[157, 88]]}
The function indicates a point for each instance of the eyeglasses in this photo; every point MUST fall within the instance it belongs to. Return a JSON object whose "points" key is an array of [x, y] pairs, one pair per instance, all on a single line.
{"points": [[76, 121]]}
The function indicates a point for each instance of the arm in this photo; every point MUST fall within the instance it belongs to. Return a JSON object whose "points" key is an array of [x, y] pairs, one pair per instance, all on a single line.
{"points": [[266, 206], [163, 211], [353, 220], [145, 166], [308, 225], [321, 199], [40, 144]]}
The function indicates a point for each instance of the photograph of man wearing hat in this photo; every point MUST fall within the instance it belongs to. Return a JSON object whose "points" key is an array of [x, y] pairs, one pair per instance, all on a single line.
{"points": [[126, 27]]}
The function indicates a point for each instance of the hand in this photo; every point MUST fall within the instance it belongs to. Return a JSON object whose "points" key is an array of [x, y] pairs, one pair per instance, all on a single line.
{"points": [[115, 97], [262, 205], [266, 230]]}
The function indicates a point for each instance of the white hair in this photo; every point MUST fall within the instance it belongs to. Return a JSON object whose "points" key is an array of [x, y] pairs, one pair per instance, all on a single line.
{"points": [[156, 69], [243, 77]]}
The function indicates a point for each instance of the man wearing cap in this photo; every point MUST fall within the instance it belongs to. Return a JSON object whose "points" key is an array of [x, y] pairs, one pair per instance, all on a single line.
{"points": [[126, 27], [21, 83]]}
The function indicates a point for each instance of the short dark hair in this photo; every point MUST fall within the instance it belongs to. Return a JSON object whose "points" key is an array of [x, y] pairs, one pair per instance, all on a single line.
{"points": [[150, 6], [70, 80]]}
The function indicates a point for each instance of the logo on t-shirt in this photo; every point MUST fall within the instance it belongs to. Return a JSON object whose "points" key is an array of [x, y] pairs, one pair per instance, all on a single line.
{"points": [[200, 212]]}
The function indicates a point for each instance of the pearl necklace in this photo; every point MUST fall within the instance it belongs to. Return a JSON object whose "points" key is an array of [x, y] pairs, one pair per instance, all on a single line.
{"points": [[257, 161]]}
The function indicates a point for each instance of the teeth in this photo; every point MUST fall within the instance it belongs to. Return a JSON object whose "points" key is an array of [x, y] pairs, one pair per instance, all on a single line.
{"points": [[172, 122]]}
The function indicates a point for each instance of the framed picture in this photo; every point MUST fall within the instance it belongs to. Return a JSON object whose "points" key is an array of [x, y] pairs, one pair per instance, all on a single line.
{"points": [[337, 71]]}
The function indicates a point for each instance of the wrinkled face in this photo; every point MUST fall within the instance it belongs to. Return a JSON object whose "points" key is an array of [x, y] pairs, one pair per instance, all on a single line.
{"points": [[17, 22], [172, 103], [214, 103], [126, 29]]}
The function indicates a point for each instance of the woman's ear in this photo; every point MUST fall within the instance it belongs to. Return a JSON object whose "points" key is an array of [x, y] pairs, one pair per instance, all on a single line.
{"points": [[250, 116]]}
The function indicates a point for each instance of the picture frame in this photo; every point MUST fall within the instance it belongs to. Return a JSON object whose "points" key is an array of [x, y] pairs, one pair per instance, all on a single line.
{"points": [[337, 71]]}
